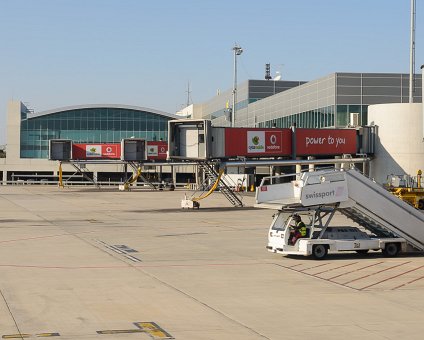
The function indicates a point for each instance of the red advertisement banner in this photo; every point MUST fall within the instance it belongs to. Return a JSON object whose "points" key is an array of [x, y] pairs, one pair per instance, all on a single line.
{"points": [[96, 151], [157, 150], [325, 141]]}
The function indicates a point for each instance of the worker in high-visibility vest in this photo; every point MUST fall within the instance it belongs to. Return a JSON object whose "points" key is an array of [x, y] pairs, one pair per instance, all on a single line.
{"points": [[299, 229]]}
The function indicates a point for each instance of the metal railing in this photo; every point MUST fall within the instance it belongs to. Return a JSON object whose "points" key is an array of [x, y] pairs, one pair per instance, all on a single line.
{"points": [[85, 183]]}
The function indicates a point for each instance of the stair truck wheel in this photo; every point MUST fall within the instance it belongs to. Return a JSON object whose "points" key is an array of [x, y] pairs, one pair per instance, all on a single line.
{"points": [[319, 251], [391, 250]]}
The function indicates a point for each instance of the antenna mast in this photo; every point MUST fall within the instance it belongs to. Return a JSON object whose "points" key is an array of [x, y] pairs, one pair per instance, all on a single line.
{"points": [[188, 94], [268, 71]]}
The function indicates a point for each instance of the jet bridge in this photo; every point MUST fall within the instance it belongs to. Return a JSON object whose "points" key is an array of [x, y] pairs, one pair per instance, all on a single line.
{"points": [[356, 196]]}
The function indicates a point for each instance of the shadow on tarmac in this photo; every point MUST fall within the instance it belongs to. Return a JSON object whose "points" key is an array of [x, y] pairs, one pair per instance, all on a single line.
{"points": [[353, 256], [180, 210]]}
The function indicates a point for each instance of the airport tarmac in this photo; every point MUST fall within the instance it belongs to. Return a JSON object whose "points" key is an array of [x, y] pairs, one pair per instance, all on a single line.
{"points": [[83, 263]]}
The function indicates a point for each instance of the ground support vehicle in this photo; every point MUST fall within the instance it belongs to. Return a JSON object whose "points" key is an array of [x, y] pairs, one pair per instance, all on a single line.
{"points": [[407, 189], [321, 238], [385, 222]]}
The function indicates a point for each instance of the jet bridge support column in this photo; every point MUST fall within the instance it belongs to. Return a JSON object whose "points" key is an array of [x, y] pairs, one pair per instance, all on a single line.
{"points": [[365, 169], [337, 166], [277, 172], [174, 175], [125, 168], [311, 166], [298, 168]]}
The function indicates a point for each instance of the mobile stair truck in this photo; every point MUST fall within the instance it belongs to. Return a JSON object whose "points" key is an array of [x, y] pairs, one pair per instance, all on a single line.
{"points": [[384, 222]]}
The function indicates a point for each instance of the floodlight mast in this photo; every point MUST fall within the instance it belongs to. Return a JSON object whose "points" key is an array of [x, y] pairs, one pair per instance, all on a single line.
{"points": [[412, 53], [237, 51]]}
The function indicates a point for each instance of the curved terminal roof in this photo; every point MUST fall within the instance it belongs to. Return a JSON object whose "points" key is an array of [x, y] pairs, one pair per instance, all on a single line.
{"points": [[101, 106]]}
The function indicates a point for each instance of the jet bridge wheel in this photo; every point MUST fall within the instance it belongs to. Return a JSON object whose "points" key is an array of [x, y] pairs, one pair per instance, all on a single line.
{"points": [[421, 205], [391, 250], [319, 251]]}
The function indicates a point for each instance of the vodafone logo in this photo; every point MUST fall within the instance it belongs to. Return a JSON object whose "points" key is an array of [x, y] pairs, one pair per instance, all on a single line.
{"points": [[274, 141], [109, 151], [162, 149]]}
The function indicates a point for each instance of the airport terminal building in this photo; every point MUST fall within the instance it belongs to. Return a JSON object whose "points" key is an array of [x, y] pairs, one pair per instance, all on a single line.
{"points": [[28, 134], [89, 124], [337, 100]]}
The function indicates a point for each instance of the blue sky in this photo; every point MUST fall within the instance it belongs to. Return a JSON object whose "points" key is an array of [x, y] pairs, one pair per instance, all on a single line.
{"points": [[56, 53]]}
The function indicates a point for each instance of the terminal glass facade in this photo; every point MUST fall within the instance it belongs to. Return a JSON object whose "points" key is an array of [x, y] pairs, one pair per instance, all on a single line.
{"points": [[89, 125], [330, 116]]}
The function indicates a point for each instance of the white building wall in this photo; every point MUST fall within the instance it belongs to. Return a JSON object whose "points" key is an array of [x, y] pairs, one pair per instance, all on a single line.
{"points": [[399, 143], [13, 132], [193, 111]]}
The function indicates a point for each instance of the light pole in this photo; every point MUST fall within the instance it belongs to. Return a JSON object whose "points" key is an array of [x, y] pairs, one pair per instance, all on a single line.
{"points": [[237, 51], [412, 54]]}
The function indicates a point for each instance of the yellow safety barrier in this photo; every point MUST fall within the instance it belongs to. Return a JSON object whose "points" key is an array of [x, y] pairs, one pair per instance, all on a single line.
{"points": [[60, 176], [211, 190], [133, 178]]}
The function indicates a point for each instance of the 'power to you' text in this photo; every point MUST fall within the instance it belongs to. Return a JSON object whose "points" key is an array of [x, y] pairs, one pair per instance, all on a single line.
{"points": [[322, 140]]}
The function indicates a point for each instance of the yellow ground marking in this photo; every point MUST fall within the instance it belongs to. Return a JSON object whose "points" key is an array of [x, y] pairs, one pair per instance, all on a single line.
{"points": [[151, 328], [121, 331], [46, 335], [154, 330]]}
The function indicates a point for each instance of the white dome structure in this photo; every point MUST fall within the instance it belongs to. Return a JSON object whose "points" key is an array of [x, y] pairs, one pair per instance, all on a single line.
{"points": [[399, 145]]}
